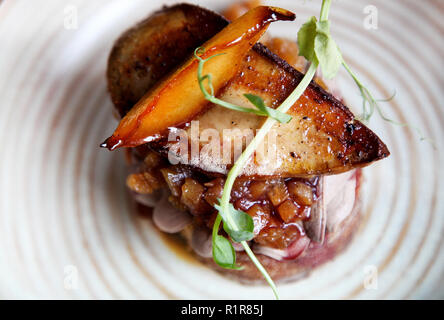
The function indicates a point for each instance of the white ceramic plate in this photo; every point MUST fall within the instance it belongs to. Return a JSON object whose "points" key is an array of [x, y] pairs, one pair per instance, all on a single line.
{"points": [[67, 225]]}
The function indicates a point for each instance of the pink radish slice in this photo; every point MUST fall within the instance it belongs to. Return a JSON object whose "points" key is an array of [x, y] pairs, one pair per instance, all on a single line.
{"points": [[339, 193], [315, 227], [169, 219], [290, 253], [201, 241]]}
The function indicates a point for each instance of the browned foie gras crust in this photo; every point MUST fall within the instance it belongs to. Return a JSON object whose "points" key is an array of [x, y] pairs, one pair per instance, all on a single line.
{"points": [[322, 138]]}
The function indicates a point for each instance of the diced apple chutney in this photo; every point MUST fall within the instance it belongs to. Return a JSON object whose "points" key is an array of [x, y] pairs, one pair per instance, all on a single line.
{"points": [[278, 206]]}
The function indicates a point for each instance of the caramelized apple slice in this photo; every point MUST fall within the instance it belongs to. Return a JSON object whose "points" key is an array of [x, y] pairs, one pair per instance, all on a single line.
{"points": [[178, 99]]}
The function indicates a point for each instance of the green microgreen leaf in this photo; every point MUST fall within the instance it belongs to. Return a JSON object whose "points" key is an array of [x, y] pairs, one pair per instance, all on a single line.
{"points": [[223, 253], [327, 52], [237, 224], [317, 45], [306, 40], [259, 103], [266, 111]]}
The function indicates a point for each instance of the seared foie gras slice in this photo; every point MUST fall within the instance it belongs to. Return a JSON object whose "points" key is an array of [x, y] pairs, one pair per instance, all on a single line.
{"points": [[322, 138]]}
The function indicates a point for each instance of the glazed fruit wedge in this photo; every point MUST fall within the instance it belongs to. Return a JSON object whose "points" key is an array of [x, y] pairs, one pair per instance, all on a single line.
{"points": [[177, 99]]}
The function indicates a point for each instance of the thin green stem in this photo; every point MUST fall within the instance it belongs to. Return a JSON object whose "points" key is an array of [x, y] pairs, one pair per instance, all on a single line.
{"points": [[240, 162], [261, 268], [210, 95], [366, 95], [249, 150], [216, 225], [355, 78], [373, 104], [325, 9]]}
